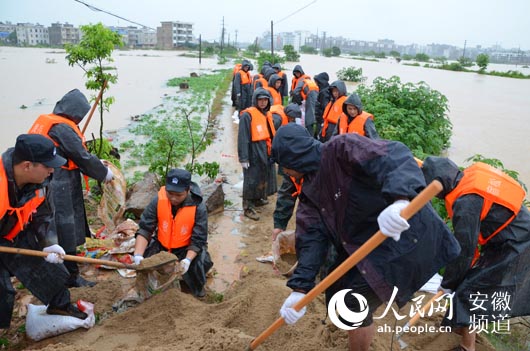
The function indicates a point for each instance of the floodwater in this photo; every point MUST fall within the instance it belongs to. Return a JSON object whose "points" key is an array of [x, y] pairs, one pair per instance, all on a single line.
{"points": [[490, 115]]}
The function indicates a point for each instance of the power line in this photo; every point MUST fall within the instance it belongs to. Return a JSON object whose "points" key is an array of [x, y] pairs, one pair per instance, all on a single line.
{"points": [[295, 12], [93, 8]]}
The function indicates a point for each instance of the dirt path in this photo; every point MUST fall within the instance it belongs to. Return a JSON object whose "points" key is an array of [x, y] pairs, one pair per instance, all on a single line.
{"points": [[176, 321]]}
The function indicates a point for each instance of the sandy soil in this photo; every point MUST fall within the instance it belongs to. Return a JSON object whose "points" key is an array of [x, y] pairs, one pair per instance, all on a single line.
{"points": [[174, 320]]}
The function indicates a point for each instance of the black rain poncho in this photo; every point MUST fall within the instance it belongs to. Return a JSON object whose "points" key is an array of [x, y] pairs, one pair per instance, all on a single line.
{"points": [[347, 183], [503, 270]]}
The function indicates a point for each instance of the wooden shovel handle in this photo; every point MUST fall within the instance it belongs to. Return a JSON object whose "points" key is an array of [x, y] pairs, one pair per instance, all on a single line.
{"points": [[27, 252], [418, 315], [94, 107], [415, 205]]}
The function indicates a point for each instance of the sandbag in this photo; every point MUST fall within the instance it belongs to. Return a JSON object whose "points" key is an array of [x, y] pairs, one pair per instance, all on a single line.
{"points": [[40, 325], [112, 205]]}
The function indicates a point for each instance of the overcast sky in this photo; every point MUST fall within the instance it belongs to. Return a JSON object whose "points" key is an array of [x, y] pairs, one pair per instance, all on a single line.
{"points": [[480, 22]]}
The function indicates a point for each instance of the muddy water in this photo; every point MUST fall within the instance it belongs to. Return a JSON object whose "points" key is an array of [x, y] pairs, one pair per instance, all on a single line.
{"points": [[28, 80], [490, 115]]}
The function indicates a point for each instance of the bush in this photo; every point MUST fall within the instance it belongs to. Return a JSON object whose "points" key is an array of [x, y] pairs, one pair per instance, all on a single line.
{"points": [[414, 114], [350, 74]]}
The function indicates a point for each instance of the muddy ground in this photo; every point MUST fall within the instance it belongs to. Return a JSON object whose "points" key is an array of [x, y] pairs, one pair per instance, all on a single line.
{"points": [[251, 293]]}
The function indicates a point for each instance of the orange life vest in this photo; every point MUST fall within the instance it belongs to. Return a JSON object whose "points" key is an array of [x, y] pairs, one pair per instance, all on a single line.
{"points": [[44, 123], [294, 80], [245, 77], [297, 185], [276, 97], [258, 127], [263, 81], [236, 69], [356, 125], [311, 86], [174, 233], [23, 213], [332, 113], [496, 187], [278, 110]]}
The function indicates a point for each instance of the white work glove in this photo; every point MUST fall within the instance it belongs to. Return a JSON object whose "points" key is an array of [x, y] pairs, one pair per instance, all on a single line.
{"points": [[288, 313], [109, 177], [138, 259], [185, 265], [55, 253], [245, 165], [390, 221]]}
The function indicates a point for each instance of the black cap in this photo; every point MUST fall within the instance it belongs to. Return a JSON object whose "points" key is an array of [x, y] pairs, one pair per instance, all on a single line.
{"points": [[38, 148], [178, 180]]}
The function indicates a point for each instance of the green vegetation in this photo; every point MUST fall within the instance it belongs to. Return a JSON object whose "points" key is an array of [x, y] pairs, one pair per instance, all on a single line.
{"points": [[266, 56], [290, 54], [94, 54], [414, 114], [482, 61], [304, 49], [351, 74], [178, 129]]}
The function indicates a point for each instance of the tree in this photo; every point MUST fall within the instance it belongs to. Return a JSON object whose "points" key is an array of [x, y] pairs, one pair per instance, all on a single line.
{"points": [[482, 62], [422, 57], [290, 54], [350, 74], [93, 54], [305, 49], [394, 53], [335, 51], [414, 114], [327, 52]]}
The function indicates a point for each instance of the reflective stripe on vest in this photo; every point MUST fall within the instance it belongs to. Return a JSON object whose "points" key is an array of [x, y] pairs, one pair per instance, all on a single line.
{"points": [[311, 85], [174, 233], [258, 127], [278, 110], [495, 187], [356, 125], [23, 213], [44, 123], [332, 113]]}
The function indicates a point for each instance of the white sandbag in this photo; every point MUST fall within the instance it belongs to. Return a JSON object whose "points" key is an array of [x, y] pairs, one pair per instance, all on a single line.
{"points": [[40, 325]]}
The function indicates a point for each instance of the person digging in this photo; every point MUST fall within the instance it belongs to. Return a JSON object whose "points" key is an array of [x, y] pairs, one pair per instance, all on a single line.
{"points": [[176, 220]]}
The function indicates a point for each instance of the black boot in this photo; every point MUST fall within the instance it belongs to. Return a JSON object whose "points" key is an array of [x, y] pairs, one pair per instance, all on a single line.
{"points": [[77, 281], [68, 310]]}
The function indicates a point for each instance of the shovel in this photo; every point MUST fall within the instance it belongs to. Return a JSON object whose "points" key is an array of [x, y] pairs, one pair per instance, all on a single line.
{"points": [[415, 205], [27, 252]]}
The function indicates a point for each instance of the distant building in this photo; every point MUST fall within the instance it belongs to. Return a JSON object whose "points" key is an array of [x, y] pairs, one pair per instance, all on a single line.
{"points": [[143, 38], [29, 34], [61, 34], [172, 35], [5, 30]]}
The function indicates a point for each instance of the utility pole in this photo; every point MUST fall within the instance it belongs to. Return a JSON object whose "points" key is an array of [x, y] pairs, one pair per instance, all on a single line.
{"points": [[464, 53], [222, 36], [272, 42], [200, 48], [235, 44]]}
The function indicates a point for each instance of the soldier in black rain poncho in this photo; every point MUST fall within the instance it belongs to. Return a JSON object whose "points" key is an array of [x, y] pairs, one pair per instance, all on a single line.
{"points": [[70, 215], [256, 130], [502, 270], [352, 187]]}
